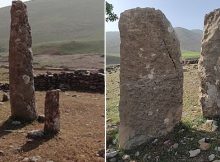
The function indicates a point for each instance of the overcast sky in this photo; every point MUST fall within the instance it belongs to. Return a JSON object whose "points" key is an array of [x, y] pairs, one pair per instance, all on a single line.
{"points": [[4, 3], [181, 13]]}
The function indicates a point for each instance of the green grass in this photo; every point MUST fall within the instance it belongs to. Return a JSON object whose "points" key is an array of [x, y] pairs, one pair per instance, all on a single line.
{"points": [[190, 54], [72, 47]]}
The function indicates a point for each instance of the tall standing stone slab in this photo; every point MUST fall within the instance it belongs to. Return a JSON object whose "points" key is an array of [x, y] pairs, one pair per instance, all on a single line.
{"points": [[151, 77], [22, 96], [209, 66]]}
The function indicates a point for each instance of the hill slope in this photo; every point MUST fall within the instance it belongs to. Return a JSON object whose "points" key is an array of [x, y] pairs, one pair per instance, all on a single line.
{"points": [[190, 40], [55, 20]]}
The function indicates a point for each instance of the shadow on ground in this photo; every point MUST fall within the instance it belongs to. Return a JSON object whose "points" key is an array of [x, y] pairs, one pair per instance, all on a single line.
{"points": [[7, 127], [162, 149]]}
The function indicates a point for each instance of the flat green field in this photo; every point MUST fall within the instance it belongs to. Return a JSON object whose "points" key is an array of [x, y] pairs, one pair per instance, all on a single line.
{"points": [[190, 54], [72, 47]]}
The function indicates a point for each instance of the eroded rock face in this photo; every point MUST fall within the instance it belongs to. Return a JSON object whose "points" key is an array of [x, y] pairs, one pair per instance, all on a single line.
{"points": [[20, 65], [209, 66], [151, 77]]}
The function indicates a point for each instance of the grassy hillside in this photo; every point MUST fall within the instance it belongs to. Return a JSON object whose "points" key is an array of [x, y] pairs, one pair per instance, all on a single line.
{"points": [[71, 47], [112, 42], [55, 20], [190, 40]]}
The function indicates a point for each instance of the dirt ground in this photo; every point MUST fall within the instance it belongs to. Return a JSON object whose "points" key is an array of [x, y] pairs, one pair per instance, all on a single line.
{"points": [[80, 139], [81, 136], [74, 61]]}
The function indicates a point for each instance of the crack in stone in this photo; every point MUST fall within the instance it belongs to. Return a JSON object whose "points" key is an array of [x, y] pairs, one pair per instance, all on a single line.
{"points": [[169, 53]]}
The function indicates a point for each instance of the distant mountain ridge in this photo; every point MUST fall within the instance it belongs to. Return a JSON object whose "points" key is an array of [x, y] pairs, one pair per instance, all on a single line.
{"points": [[57, 21], [190, 40]]}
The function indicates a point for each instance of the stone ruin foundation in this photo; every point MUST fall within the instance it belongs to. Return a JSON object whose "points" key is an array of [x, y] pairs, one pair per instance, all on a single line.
{"points": [[151, 77], [21, 78], [209, 66]]}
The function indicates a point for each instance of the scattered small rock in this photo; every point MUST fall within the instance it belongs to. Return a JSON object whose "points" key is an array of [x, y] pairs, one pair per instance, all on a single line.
{"points": [[207, 140], [217, 148], [16, 123], [194, 153], [201, 140], [111, 154], [41, 118], [167, 142], [2, 153], [181, 131], [114, 142], [211, 157], [155, 141], [26, 159], [204, 146], [35, 158], [35, 134], [5, 97], [175, 146], [126, 157], [137, 153]]}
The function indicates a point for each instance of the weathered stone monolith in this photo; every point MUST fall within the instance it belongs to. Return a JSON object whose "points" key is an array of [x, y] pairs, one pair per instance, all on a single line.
{"points": [[22, 96], [52, 113], [209, 66], [151, 77]]}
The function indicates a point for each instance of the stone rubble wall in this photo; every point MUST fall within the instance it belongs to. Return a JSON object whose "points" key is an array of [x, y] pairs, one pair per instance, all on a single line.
{"points": [[78, 80]]}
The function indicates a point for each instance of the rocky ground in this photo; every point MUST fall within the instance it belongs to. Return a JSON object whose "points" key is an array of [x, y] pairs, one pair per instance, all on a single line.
{"points": [[81, 137], [195, 139]]}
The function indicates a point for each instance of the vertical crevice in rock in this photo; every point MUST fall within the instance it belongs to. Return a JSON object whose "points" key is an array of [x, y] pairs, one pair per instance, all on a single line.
{"points": [[169, 54]]}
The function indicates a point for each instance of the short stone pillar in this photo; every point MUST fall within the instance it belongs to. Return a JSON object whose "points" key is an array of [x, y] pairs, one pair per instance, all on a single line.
{"points": [[21, 78], [52, 113], [151, 77], [209, 66]]}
